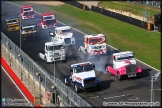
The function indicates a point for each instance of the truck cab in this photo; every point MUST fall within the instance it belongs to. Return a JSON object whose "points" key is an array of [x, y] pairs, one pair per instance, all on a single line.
{"points": [[64, 34], [53, 51], [94, 44], [82, 77], [124, 65], [12, 23], [28, 30], [27, 12], [47, 20]]}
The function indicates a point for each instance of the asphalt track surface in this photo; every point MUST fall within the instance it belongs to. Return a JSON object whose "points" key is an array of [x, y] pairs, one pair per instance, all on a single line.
{"points": [[112, 90], [9, 90]]}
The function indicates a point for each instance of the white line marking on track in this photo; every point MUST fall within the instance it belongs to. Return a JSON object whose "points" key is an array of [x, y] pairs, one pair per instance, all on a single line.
{"points": [[114, 97], [133, 99], [94, 97], [16, 85], [86, 34]]}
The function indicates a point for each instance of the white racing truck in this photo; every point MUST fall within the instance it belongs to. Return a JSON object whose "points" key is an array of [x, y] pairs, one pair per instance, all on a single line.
{"points": [[54, 51], [82, 77], [28, 30], [94, 45], [63, 34]]}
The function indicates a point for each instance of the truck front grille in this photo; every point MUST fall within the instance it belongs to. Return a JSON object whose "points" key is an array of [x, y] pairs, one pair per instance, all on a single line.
{"points": [[131, 69], [89, 82], [67, 40]]}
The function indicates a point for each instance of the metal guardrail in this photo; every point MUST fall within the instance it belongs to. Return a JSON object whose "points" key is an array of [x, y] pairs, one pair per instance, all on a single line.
{"points": [[65, 93]]}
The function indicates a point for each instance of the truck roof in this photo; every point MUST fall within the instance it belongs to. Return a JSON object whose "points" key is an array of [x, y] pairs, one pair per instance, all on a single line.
{"points": [[63, 28], [55, 43], [26, 6], [93, 35], [11, 18], [46, 14], [120, 53], [81, 63]]}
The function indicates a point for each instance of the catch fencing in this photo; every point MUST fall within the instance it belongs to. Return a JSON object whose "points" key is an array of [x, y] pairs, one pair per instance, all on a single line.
{"points": [[36, 77]]}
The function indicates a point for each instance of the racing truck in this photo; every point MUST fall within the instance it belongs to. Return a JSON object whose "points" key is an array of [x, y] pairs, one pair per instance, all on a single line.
{"points": [[54, 51], [27, 12], [124, 65], [63, 34], [82, 77], [28, 30], [12, 23], [47, 20], [94, 44]]}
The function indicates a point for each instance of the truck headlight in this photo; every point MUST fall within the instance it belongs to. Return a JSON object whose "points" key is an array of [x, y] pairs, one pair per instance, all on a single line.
{"points": [[103, 46]]}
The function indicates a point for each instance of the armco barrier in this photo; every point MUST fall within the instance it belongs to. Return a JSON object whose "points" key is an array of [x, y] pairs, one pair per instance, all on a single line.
{"points": [[66, 95], [17, 80], [120, 17]]}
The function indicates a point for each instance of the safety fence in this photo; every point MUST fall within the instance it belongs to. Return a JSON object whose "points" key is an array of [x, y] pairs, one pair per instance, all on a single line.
{"points": [[146, 22], [42, 85]]}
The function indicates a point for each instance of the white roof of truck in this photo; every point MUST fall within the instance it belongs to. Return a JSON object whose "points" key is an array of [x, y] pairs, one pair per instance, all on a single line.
{"points": [[120, 53], [63, 28], [81, 63], [55, 43], [94, 35]]}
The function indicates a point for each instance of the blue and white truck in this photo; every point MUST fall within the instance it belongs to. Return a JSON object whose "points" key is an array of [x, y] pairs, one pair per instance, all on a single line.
{"points": [[82, 77]]}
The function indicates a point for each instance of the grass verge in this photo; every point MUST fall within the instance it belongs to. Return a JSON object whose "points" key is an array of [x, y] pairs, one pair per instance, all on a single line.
{"points": [[121, 35], [136, 9]]}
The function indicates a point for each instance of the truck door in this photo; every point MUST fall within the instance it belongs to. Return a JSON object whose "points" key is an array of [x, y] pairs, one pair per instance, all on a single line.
{"points": [[42, 53]]}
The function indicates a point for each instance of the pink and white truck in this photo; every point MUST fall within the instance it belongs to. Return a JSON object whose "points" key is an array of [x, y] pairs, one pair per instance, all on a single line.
{"points": [[124, 65]]}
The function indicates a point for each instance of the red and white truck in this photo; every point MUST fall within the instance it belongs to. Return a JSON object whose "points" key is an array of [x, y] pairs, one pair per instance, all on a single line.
{"points": [[124, 65], [94, 44], [27, 12], [47, 20]]}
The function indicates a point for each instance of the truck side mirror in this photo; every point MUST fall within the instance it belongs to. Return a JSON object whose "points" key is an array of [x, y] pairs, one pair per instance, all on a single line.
{"points": [[93, 66], [71, 70], [51, 34]]}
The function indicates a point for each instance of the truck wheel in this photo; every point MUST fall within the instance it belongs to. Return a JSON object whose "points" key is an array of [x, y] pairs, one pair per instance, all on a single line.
{"points": [[106, 68], [119, 76], [79, 49], [98, 87], [138, 75], [66, 81], [45, 58], [77, 89]]}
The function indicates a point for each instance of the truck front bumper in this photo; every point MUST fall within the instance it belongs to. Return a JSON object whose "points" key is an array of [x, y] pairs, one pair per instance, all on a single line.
{"points": [[30, 34], [13, 28], [51, 59], [90, 88]]}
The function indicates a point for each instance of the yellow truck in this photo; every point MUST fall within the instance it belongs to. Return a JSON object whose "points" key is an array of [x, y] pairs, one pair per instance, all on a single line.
{"points": [[12, 23]]}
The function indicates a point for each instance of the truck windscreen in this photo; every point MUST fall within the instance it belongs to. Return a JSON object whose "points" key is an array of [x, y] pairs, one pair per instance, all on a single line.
{"points": [[58, 47], [12, 21], [29, 13]]}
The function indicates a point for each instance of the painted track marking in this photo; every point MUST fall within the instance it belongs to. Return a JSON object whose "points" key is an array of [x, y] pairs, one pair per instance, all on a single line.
{"points": [[114, 97]]}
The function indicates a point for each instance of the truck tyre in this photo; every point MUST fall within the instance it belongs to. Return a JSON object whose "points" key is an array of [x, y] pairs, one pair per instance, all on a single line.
{"points": [[66, 81], [77, 89], [106, 68], [79, 49], [45, 58], [119, 76], [98, 87]]}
